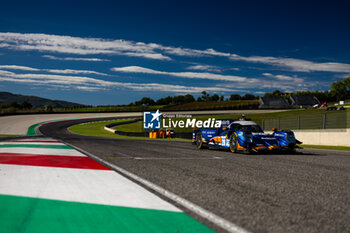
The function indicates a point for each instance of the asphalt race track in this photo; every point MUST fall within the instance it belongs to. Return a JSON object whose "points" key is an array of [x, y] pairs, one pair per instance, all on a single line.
{"points": [[305, 192]]}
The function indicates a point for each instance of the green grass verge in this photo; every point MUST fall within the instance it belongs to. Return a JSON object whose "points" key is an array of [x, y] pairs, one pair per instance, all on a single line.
{"points": [[97, 129], [345, 148], [9, 135], [132, 127]]}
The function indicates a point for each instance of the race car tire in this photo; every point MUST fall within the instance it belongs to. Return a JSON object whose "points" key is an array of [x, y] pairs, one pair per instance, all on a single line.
{"points": [[199, 141], [233, 143], [292, 151]]}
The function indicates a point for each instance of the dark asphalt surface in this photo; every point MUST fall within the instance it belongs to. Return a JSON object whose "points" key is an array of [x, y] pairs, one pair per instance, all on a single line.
{"points": [[305, 192]]}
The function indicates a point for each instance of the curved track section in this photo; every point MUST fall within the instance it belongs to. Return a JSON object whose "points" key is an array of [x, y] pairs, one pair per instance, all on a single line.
{"points": [[305, 192]]}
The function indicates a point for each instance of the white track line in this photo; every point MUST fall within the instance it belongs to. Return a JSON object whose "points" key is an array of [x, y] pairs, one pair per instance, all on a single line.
{"points": [[215, 219], [195, 158]]}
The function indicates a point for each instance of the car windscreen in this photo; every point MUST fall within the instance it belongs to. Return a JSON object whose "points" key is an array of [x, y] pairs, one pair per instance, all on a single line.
{"points": [[248, 128]]}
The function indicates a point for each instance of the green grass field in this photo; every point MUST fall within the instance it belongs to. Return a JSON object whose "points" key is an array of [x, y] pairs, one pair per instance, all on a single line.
{"points": [[132, 127], [9, 135], [345, 148], [97, 129]]}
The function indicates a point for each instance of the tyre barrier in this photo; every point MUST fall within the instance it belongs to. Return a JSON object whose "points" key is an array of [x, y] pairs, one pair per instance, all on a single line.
{"points": [[108, 127]]}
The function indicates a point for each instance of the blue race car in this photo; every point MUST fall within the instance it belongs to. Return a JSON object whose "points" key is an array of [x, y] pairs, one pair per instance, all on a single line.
{"points": [[244, 135]]}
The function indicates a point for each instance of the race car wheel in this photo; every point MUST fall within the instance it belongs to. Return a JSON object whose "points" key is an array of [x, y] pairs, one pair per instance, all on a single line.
{"points": [[199, 140], [233, 143]]}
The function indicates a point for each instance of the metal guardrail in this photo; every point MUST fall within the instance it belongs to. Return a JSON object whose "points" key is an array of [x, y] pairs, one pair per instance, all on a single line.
{"points": [[331, 120]]}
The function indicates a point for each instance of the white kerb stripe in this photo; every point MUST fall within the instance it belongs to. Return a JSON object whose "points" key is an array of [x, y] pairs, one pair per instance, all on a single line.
{"points": [[78, 185], [35, 139], [31, 143], [41, 151]]}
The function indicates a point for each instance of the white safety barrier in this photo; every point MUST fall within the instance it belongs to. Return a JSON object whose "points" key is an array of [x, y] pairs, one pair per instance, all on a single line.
{"points": [[330, 137], [109, 129]]}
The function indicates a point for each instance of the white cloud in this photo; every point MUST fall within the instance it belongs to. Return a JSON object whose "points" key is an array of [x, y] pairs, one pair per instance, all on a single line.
{"points": [[283, 77], [79, 45], [342, 75], [210, 68], [66, 71], [212, 52], [173, 88], [138, 69], [85, 88], [89, 46], [75, 58], [205, 68], [280, 82], [296, 64], [69, 71], [15, 67], [285, 83], [157, 56], [92, 84]]}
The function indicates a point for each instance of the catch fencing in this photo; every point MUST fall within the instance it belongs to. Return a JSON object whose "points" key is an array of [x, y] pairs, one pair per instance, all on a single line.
{"points": [[328, 120]]}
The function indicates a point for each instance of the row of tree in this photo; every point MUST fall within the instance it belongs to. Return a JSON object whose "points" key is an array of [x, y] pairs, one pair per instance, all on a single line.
{"points": [[22, 106], [184, 99]]}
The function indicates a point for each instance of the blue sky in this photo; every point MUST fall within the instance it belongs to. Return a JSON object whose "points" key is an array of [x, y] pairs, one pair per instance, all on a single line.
{"points": [[116, 52]]}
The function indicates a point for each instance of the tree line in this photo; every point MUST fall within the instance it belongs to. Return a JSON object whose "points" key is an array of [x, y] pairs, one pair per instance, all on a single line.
{"points": [[22, 106], [184, 99]]}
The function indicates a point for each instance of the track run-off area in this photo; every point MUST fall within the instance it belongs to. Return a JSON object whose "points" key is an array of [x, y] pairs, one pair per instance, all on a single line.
{"points": [[168, 186]]}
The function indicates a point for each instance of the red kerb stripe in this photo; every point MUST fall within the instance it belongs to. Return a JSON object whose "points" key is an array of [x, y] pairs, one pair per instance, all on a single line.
{"points": [[51, 161]]}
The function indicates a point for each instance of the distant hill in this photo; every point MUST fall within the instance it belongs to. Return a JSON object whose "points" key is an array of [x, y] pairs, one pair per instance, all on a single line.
{"points": [[37, 102]]}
